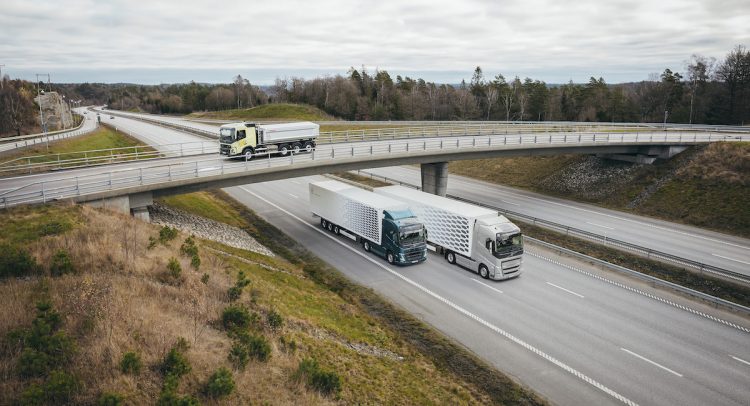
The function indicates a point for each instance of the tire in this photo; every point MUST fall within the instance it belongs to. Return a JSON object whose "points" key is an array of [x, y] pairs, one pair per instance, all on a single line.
{"points": [[323, 223], [296, 148], [330, 226], [451, 257], [248, 153], [366, 246], [484, 272], [390, 258], [336, 230], [309, 147], [284, 150]]}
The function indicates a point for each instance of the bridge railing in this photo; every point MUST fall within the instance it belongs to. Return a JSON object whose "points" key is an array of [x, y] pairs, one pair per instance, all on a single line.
{"points": [[159, 172]]}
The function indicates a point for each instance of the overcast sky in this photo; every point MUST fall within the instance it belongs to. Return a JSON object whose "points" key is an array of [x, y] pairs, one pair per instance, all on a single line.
{"points": [[212, 40]]}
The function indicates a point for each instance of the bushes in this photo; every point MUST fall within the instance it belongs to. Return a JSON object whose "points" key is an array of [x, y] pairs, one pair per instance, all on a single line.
{"points": [[16, 261], [248, 346], [189, 249], [239, 356], [175, 363], [58, 389], [174, 268], [175, 366], [45, 348], [220, 384], [131, 363], [274, 320], [169, 397], [325, 382], [166, 234], [110, 399], [235, 318], [61, 264], [235, 292]]}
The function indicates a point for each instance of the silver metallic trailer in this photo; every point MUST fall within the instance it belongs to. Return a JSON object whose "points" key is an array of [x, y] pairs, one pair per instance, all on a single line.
{"points": [[381, 224], [474, 237]]}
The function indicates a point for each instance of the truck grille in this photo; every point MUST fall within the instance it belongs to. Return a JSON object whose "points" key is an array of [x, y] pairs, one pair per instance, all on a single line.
{"points": [[224, 149], [413, 255]]}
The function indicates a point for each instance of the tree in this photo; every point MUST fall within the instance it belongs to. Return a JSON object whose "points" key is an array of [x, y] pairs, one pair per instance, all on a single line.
{"points": [[699, 70], [734, 72]]}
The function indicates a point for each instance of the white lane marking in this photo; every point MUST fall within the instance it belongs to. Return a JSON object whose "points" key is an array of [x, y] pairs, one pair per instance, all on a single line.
{"points": [[461, 310], [599, 225], [486, 285], [640, 292], [507, 202], [294, 196], [652, 362], [562, 288], [493, 188], [740, 360], [295, 182], [731, 259]]}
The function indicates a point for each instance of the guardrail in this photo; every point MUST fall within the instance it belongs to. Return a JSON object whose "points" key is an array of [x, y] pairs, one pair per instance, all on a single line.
{"points": [[70, 160], [161, 123], [648, 252], [24, 141], [160, 173]]}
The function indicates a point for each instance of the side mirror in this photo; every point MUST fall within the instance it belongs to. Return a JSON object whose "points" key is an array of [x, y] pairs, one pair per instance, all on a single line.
{"points": [[488, 243]]}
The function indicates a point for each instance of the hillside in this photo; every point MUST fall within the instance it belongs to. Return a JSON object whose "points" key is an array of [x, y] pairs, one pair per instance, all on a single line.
{"points": [[268, 112], [705, 186], [100, 308]]}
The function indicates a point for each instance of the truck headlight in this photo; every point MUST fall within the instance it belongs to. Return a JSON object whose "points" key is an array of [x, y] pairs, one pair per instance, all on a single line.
{"points": [[402, 257]]}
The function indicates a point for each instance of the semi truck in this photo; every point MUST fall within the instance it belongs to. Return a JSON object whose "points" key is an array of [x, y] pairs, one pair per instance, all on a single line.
{"points": [[248, 139], [471, 236], [381, 224]]}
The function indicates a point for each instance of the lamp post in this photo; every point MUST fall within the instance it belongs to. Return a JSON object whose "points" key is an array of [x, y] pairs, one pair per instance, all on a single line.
{"points": [[39, 93], [665, 119]]}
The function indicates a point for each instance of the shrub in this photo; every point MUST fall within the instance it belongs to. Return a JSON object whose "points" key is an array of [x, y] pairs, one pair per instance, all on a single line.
{"points": [[110, 399], [151, 243], [188, 248], [325, 382], [61, 264], [169, 397], [239, 356], [234, 293], [53, 228], [274, 320], [195, 262], [175, 364], [167, 234], [130, 363], [16, 261], [58, 389], [256, 345], [204, 278], [174, 268], [235, 318], [44, 346], [220, 384], [288, 344]]}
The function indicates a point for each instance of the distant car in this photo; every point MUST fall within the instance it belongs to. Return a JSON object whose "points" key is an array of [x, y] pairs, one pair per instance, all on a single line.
{"points": [[112, 117], [85, 112]]}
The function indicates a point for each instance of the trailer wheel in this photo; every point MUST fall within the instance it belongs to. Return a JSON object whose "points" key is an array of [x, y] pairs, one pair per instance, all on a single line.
{"points": [[323, 223], [284, 149], [366, 246], [296, 148], [390, 258], [483, 272], [451, 257], [308, 147], [330, 226], [336, 230]]}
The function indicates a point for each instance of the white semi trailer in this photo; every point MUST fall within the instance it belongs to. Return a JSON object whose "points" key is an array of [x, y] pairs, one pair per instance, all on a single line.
{"points": [[474, 237], [248, 139], [381, 224]]}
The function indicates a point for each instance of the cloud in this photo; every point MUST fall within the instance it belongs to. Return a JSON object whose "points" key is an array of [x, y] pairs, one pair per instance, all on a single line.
{"points": [[549, 40]]}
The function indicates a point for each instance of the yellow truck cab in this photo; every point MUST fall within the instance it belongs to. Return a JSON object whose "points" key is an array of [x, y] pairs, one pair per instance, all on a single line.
{"points": [[251, 139]]}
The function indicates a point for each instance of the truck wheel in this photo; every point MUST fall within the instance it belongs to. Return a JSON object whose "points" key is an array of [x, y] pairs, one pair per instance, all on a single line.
{"points": [[366, 246], [483, 272], [248, 153], [390, 258], [336, 230], [323, 223], [284, 149], [296, 147], [308, 147], [451, 257], [330, 226]]}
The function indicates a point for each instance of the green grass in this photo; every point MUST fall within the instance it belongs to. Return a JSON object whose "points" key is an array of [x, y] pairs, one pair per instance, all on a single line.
{"points": [[269, 112], [25, 224], [522, 172], [326, 299]]}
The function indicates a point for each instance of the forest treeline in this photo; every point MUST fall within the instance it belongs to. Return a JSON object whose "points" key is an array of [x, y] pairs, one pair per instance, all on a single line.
{"points": [[706, 92]]}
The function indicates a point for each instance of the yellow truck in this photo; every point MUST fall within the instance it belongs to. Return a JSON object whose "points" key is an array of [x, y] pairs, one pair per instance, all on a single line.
{"points": [[250, 139]]}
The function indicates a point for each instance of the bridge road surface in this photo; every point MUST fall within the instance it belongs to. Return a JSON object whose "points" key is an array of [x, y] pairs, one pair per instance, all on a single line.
{"points": [[709, 247], [634, 347], [705, 246]]}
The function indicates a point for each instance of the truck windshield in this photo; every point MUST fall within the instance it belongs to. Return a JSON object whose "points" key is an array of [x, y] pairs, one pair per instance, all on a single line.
{"points": [[226, 133], [507, 245], [411, 236]]}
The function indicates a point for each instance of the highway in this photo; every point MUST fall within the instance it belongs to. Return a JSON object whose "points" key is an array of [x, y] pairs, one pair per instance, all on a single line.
{"points": [[709, 247], [576, 336], [89, 125], [572, 337]]}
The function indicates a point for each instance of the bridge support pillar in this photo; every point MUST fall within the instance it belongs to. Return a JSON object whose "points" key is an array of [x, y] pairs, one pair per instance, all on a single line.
{"points": [[135, 204], [647, 154], [435, 178]]}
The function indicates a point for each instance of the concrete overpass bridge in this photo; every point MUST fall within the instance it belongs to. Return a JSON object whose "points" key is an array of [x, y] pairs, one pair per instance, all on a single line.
{"points": [[132, 186]]}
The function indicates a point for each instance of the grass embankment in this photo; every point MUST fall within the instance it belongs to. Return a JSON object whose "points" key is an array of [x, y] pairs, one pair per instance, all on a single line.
{"points": [[443, 360], [268, 112], [70, 148], [125, 314], [705, 186], [724, 289]]}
